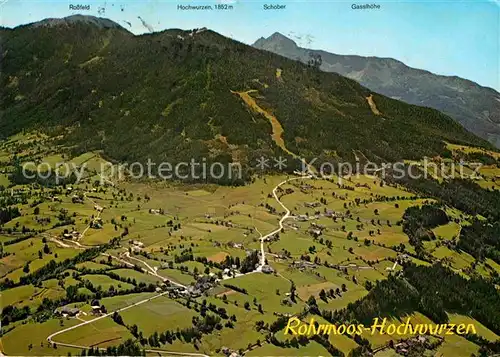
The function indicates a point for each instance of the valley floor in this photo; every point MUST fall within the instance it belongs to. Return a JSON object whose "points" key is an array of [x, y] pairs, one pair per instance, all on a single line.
{"points": [[174, 269]]}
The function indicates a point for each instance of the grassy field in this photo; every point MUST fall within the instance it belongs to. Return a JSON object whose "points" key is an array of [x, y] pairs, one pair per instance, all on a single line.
{"points": [[105, 282], [158, 315], [457, 346], [102, 333], [257, 286], [30, 339], [138, 276], [480, 329]]}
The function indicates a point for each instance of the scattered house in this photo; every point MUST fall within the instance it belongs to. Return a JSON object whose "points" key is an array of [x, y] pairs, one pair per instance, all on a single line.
{"points": [[401, 348], [403, 257], [76, 199], [273, 238], [173, 290], [302, 217], [281, 255], [421, 339], [96, 223], [302, 264], [318, 226], [330, 213], [97, 309], [267, 269], [208, 216], [72, 235], [311, 204], [98, 208], [314, 232], [404, 347], [201, 285], [138, 243], [294, 226], [236, 245], [192, 292], [154, 211], [67, 311]]}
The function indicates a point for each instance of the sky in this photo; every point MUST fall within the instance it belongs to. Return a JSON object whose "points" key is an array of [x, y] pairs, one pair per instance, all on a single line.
{"points": [[445, 37]]}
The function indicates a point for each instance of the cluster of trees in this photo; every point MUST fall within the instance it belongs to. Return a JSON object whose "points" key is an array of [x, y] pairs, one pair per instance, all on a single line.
{"points": [[127, 348], [481, 240], [478, 157], [18, 239], [9, 213], [464, 194], [21, 176], [248, 264], [432, 290], [418, 222], [488, 348], [236, 288], [12, 313], [100, 293]]}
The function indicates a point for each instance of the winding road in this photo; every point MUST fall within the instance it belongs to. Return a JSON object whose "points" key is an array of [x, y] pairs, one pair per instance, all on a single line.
{"points": [[154, 271], [283, 219]]}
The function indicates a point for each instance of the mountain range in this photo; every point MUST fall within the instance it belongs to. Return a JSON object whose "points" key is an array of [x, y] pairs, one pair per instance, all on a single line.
{"points": [[176, 95], [476, 107]]}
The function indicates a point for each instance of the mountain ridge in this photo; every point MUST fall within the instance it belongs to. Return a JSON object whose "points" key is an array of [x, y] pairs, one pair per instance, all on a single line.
{"points": [[175, 95], [100, 22], [475, 106], [263, 40]]}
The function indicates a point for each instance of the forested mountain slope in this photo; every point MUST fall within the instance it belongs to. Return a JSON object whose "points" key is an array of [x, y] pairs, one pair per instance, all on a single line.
{"points": [[178, 94]]}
